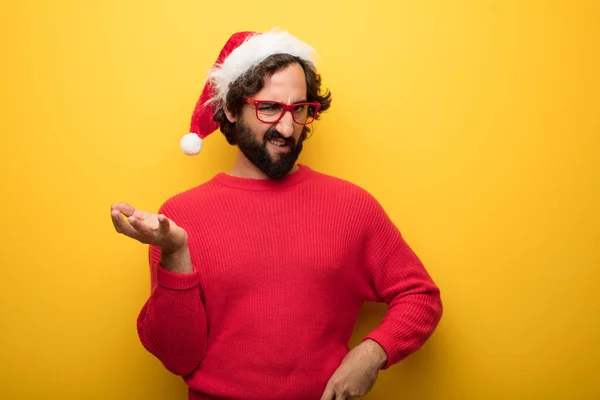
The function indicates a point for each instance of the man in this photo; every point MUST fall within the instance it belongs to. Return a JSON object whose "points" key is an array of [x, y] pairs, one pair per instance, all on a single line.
{"points": [[258, 275]]}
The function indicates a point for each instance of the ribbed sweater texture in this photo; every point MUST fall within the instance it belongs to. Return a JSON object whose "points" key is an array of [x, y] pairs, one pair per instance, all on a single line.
{"points": [[281, 271]]}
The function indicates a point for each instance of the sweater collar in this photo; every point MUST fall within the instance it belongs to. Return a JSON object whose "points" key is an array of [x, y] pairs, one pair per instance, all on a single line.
{"points": [[291, 179]]}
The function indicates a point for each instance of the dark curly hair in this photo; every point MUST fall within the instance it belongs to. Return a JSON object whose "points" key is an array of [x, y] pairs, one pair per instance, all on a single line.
{"points": [[253, 81]]}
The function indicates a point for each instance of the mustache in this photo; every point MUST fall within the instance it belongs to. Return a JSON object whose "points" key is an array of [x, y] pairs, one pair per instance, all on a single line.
{"points": [[274, 134]]}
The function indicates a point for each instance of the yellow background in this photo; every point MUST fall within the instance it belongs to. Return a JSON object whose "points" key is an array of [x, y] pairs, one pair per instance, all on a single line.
{"points": [[475, 123]]}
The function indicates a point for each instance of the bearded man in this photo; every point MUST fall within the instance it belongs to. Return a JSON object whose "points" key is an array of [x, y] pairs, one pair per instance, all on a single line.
{"points": [[258, 275]]}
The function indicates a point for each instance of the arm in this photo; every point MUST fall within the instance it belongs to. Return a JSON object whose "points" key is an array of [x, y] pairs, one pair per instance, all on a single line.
{"points": [[399, 279], [396, 277], [172, 322]]}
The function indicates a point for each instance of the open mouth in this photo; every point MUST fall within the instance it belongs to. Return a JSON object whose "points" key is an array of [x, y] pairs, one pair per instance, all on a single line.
{"points": [[278, 142]]}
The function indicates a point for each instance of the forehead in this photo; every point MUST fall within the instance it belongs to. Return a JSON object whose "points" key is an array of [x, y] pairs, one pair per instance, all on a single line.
{"points": [[287, 85]]}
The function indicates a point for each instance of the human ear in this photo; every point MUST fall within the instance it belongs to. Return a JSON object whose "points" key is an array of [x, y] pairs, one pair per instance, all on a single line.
{"points": [[229, 115]]}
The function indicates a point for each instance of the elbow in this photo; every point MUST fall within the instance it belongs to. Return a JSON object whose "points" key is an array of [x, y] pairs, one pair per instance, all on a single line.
{"points": [[436, 306], [178, 361], [430, 310], [183, 367], [176, 356]]}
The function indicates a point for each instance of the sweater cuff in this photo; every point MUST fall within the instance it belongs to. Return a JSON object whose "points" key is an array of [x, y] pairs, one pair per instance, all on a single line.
{"points": [[387, 345], [174, 280]]}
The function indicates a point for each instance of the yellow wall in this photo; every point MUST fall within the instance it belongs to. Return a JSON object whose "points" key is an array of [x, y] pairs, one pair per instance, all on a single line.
{"points": [[475, 123]]}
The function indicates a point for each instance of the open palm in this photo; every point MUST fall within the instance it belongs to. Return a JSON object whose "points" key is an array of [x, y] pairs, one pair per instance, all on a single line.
{"points": [[148, 228]]}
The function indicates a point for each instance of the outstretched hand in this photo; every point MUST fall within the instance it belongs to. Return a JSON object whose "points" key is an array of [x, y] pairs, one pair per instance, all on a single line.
{"points": [[357, 373], [148, 228]]}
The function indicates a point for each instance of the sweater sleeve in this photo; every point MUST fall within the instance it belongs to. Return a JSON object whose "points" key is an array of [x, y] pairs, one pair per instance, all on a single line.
{"points": [[399, 279], [172, 323]]}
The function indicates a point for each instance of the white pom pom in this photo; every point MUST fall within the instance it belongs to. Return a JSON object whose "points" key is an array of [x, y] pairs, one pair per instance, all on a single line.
{"points": [[191, 144]]}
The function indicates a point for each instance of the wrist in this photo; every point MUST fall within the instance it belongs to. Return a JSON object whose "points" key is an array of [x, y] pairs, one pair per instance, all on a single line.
{"points": [[178, 261], [378, 355], [176, 245]]}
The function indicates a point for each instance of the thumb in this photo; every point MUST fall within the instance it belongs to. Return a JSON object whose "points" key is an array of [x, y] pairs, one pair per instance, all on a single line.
{"points": [[163, 224], [328, 394]]}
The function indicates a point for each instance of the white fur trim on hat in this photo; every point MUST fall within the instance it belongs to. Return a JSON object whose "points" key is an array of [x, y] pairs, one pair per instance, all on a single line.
{"points": [[191, 144], [253, 51]]}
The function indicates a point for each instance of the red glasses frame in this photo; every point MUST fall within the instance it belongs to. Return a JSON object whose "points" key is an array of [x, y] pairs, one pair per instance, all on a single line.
{"points": [[285, 108]]}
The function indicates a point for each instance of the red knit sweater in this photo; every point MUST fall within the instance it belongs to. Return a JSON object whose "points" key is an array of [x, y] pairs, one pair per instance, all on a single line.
{"points": [[281, 270]]}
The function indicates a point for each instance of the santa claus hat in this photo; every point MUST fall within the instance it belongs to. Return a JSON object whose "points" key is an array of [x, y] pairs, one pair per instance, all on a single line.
{"points": [[243, 51]]}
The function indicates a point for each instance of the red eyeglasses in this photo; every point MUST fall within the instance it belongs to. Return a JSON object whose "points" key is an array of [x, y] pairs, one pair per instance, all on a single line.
{"points": [[270, 112]]}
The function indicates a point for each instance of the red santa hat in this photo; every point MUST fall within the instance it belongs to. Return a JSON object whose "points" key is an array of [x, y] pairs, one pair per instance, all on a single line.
{"points": [[243, 51]]}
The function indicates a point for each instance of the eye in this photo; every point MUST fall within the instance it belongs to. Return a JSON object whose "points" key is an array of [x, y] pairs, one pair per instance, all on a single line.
{"points": [[268, 106], [300, 108]]}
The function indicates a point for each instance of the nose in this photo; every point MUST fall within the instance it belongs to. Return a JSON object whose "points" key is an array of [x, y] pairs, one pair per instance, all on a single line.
{"points": [[285, 126]]}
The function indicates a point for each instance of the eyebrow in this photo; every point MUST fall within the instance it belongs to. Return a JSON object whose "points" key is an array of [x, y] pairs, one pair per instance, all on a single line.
{"points": [[295, 102]]}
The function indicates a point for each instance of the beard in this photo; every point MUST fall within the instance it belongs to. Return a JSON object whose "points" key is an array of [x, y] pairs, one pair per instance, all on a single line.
{"points": [[258, 154]]}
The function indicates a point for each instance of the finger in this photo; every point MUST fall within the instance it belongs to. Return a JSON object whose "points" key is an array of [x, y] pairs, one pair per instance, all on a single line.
{"points": [[126, 209], [141, 226], [163, 224], [328, 394], [340, 396], [121, 225]]}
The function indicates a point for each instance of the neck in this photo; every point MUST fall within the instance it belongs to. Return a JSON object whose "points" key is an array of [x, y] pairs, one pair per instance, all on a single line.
{"points": [[243, 168]]}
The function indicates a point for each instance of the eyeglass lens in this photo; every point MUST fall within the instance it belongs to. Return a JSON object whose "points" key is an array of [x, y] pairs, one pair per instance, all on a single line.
{"points": [[271, 112]]}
